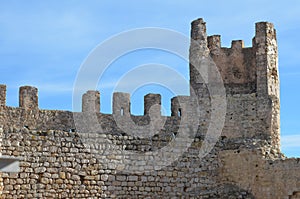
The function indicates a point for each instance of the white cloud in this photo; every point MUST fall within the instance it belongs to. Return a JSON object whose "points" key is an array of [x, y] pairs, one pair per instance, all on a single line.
{"points": [[290, 141]]}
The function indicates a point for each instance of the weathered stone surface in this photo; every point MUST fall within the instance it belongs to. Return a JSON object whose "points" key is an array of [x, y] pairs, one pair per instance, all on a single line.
{"points": [[61, 160]]}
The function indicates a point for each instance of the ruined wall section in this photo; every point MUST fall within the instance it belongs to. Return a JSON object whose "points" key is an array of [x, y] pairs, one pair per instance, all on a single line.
{"points": [[257, 169], [56, 164]]}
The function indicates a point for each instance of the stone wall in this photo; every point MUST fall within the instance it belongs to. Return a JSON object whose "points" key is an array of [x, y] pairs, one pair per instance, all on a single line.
{"points": [[249, 75], [93, 155], [57, 164], [54, 164], [1, 179]]}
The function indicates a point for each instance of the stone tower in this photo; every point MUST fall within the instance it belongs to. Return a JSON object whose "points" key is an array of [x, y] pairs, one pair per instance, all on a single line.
{"points": [[250, 78]]}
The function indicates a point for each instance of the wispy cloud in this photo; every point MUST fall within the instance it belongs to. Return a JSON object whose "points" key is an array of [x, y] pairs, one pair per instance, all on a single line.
{"points": [[290, 141], [290, 145]]}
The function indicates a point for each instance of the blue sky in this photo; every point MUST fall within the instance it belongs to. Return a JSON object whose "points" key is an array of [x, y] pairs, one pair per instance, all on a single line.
{"points": [[43, 43]]}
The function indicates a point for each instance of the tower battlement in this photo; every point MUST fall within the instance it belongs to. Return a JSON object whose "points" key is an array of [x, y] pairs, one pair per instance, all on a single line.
{"points": [[250, 77], [28, 101], [243, 69]]}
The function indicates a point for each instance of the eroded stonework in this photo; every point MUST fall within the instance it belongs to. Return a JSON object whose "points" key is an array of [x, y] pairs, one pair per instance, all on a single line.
{"points": [[245, 162]]}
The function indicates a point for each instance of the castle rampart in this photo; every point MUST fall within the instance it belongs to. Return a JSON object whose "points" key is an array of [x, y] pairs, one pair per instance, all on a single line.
{"points": [[97, 159]]}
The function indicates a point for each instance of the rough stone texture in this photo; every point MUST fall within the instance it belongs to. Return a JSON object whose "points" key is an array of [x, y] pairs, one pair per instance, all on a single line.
{"points": [[100, 160], [121, 104], [54, 164], [152, 103], [1, 179], [2, 95], [28, 97], [91, 101]]}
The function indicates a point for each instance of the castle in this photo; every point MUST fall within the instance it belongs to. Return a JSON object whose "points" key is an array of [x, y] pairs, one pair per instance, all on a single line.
{"points": [[89, 155]]}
